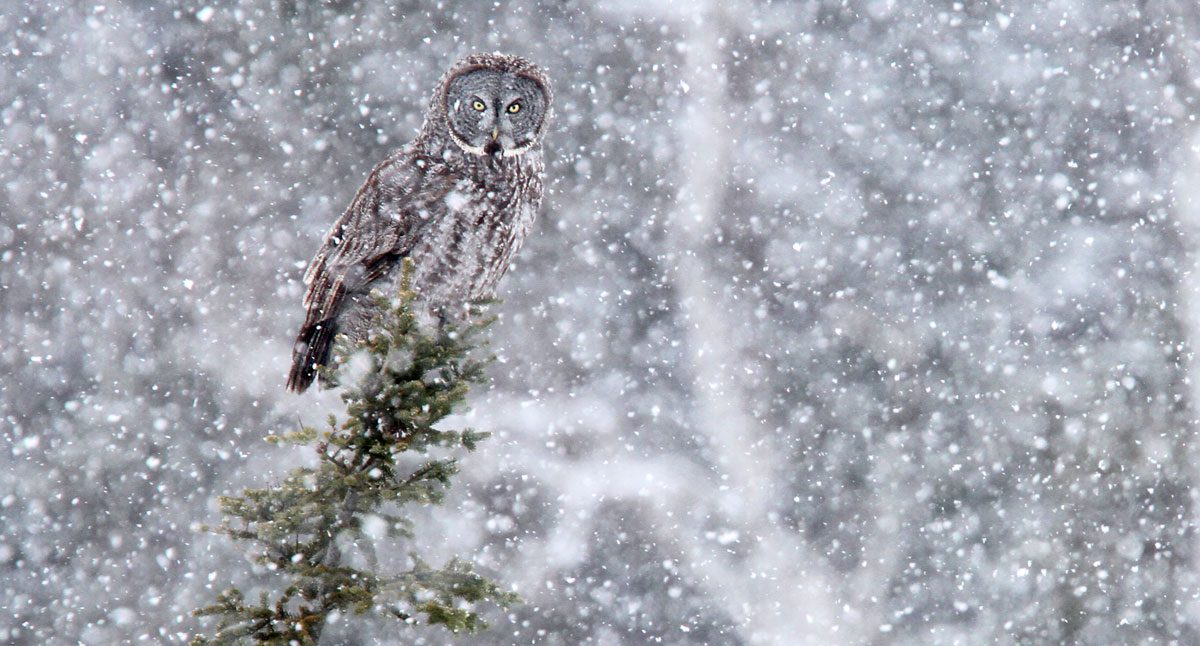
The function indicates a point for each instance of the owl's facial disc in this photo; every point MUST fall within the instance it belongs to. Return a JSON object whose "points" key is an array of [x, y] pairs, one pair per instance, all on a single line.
{"points": [[495, 113]]}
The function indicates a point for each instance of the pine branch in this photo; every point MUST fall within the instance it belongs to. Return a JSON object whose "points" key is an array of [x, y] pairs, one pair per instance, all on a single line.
{"points": [[413, 379]]}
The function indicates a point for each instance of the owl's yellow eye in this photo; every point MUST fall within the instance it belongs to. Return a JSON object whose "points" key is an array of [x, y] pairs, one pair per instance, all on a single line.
{"points": [[514, 107], [478, 105]]}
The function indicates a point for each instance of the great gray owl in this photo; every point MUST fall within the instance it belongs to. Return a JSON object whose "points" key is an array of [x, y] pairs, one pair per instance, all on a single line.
{"points": [[458, 201]]}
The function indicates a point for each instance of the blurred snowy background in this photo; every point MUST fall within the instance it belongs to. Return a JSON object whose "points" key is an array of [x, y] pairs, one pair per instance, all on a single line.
{"points": [[846, 321]]}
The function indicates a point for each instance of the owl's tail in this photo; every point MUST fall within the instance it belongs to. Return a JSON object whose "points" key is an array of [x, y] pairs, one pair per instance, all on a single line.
{"points": [[311, 350]]}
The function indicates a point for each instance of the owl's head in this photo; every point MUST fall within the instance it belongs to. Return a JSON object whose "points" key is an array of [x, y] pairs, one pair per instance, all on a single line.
{"points": [[496, 105]]}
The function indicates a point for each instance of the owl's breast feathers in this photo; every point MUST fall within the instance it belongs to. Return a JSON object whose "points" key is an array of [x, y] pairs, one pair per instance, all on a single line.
{"points": [[489, 208], [459, 218]]}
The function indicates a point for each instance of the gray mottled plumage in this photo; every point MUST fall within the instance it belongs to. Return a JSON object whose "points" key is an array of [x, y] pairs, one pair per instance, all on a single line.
{"points": [[458, 201]]}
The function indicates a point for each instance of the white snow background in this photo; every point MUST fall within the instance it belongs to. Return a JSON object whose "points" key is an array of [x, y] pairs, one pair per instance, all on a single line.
{"points": [[844, 322]]}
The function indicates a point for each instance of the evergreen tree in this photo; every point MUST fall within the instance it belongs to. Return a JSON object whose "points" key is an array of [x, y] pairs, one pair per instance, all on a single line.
{"points": [[371, 465]]}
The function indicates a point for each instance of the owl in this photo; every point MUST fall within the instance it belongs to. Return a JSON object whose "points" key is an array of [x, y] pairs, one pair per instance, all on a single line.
{"points": [[457, 201]]}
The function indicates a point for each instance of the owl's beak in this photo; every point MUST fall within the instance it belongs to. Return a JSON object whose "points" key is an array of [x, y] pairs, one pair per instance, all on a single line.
{"points": [[493, 147]]}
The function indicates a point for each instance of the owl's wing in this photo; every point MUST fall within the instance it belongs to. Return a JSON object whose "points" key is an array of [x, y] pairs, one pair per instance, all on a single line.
{"points": [[376, 231]]}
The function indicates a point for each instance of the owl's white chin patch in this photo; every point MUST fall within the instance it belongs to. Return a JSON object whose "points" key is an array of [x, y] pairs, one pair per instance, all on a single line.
{"points": [[513, 152], [468, 148], [482, 151]]}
